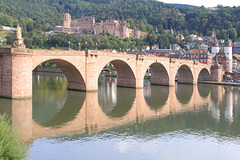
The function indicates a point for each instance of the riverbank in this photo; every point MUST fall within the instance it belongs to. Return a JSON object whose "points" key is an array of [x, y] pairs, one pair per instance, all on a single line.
{"points": [[47, 69], [220, 83]]}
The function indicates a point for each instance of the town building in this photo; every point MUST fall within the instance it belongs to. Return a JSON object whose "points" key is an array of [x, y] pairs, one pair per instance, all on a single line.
{"points": [[6, 28], [204, 46], [166, 53], [87, 25], [225, 57], [175, 47], [236, 63], [190, 45], [228, 55], [146, 48], [236, 48], [200, 55], [180, 37], [155, 47]]}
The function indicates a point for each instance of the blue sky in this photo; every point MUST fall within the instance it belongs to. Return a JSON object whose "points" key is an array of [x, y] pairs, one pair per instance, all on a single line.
{"points": [[206, 3]]}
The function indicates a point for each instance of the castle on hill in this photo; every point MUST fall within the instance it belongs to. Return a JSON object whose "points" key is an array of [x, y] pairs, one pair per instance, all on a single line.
{"points": [[113, 27]]}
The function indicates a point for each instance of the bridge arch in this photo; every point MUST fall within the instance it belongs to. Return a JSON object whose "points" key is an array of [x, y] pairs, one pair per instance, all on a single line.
{"points": [[159, 74], [125, 73], [204, 75], [184, 74], [74, 78]]}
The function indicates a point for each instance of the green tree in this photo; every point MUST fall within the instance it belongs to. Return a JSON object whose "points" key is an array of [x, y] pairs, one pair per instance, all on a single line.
{"points": [[151, 39], [232, 34], [85, 31], [188, 39]]}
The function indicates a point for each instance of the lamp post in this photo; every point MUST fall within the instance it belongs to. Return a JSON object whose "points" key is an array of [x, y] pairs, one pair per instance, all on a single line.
{"points": [[96, 46], [120, 49], [69, 45], [86, 45], [79, 46]]}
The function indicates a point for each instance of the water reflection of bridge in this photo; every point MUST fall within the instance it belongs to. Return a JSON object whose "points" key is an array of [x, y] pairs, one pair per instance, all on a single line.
{"points": [[89, 116]]}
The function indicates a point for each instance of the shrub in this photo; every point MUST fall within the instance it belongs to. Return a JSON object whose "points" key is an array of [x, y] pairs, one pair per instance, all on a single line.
{"points": [[11, 146]]}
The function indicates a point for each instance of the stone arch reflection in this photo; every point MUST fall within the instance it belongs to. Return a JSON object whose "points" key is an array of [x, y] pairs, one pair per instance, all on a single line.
{"points": [[53, 105], [203, 91], [155, 99], [115, 102], [184, 93]]}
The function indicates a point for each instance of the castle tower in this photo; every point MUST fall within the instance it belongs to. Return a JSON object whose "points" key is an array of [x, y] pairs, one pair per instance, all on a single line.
{"points": [[228, 55], [67, 20], [215, 49]]}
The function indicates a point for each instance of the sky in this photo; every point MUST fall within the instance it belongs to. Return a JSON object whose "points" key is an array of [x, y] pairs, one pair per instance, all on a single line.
{"points": [[206, 3]]}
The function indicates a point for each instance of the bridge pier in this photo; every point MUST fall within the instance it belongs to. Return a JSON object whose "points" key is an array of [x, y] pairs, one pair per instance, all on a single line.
{"points": [[216, 73], [15, 75]]}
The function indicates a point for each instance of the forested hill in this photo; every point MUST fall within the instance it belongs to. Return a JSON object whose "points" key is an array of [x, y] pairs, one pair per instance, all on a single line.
{"points": [[139, 13], [36, 16]]}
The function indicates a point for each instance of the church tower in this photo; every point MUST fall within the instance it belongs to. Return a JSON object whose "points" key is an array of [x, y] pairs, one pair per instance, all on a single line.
{"points": [[67, 20]]}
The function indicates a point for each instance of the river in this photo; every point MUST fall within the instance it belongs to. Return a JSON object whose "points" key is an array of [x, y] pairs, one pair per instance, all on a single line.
{"points": [[158, 122]]}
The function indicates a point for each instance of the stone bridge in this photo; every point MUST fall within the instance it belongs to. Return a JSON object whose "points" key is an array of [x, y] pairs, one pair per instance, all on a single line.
{"points": [[82, 69]]}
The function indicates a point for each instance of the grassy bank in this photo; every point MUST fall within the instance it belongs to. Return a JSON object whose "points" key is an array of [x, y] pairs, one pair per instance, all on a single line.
{"points": [[11, 146]]}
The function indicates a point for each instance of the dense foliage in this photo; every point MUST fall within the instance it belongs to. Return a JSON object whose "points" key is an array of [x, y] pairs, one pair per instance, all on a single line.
{"points": [[224, 21], [37, 16], [11, 146], [140, 13]]}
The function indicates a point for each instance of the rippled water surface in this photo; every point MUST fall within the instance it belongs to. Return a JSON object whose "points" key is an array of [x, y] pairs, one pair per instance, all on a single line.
{"points": [[158, 122]]}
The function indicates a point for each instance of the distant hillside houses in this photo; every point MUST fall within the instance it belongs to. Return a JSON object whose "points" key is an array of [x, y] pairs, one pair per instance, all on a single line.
{"points": [[236, 48], [180, 36], [87, 25], [195, 37], [6, 28]]}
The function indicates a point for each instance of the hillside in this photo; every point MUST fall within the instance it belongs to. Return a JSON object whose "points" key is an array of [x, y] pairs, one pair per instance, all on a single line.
{"points": [[139, 13], [37, 16]]}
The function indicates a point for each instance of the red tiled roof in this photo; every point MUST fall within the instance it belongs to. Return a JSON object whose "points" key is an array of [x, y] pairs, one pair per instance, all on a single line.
{"points": [[237, 56], [197, 51]]}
